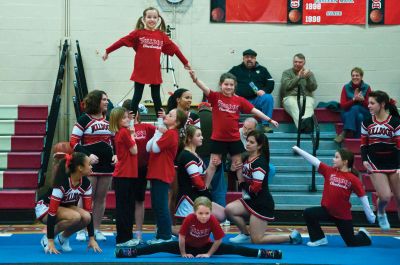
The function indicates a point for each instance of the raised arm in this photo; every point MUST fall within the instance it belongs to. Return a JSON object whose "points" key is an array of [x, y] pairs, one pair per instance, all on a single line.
{"points": [[199, 83], [310, 158], [261, 115]]}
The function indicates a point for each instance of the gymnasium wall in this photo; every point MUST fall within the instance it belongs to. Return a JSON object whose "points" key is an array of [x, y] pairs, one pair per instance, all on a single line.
{"points": [[31, 33]]}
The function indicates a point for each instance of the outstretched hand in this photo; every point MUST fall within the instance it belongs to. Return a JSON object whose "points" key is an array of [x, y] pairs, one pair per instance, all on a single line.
{"points": [[193, 75], [105, 56], [188, 67], [275, 123]]}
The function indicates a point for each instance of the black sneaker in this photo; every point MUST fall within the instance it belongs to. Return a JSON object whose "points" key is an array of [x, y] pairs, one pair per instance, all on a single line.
{"points": [[270, 254], [125, 252]]}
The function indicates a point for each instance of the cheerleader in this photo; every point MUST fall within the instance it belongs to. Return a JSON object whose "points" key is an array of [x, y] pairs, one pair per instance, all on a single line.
{"points": [[58, 207], [380, 151], [257, 202]]}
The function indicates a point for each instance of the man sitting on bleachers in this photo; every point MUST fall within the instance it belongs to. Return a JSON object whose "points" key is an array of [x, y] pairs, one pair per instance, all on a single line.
{"points": [[292, 79]]}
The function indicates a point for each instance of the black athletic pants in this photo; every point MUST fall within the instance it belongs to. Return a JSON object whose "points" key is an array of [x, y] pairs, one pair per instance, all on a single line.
{"points": [[138, 93], [173, 247], [314, 215], [124, 207]]}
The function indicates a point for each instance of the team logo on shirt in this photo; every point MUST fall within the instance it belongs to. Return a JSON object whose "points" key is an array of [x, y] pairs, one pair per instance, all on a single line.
{"points": [[339, 182], [99, 127], [379, 129], [225, 107], [140, 135], [151, 43], [199, 232], [72, 195]]}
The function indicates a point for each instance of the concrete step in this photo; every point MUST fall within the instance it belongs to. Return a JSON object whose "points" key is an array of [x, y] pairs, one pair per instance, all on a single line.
{"points": [[291, 128], [287, 152], [325, 135], [295, 161], [292, 187], [305, 198], [22, 127], [23, 112], [21, 143], [295, 178], [288, 144], [22, 160]]}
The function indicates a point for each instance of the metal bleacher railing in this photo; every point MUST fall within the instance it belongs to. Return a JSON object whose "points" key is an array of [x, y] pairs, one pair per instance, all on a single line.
{"points": [[315, 133], [80, 84], [53, 116]]}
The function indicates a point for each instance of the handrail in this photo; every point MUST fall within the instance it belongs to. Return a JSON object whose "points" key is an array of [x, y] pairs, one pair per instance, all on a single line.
{"points": [[53, 116], [314, 138], [81, 70]]}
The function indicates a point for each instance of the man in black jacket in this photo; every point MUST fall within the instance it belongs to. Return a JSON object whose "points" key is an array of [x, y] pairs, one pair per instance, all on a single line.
{"points": [[255, 84]]}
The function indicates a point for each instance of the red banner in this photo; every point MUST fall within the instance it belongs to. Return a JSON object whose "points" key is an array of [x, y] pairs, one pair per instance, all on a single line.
{"points": [[327, 12], [258, 11], [383, 12]]}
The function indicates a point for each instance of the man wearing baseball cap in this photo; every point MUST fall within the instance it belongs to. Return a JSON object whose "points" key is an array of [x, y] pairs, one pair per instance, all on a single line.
{"points": [[255, 84]]}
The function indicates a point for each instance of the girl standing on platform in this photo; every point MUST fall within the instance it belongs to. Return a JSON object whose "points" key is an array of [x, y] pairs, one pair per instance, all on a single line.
{"points": [[340, 181], [226, 109], [149, 41], [194, 239], [143, 133], [58, 207], [125, 175], [380, 151], [161, 171], [256, 202]]}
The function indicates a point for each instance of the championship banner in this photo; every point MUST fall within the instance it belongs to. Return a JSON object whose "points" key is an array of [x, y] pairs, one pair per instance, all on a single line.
{"points": [[326, 12], [383, 12], [254, 11]]}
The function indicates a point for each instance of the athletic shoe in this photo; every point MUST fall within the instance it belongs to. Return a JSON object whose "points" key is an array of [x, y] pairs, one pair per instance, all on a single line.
{"points": [[63, 243], [363, 230], [130, 243], [240, 239], [159, 241], [129, 252], [44, 242], [270, 254], [81, 235], [321, 242], [225, 223], [383, 222], [295, 237], [99, 236]]}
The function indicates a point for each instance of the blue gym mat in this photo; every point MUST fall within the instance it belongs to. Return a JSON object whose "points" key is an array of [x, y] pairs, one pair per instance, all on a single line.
{"points": [[26, 248]]}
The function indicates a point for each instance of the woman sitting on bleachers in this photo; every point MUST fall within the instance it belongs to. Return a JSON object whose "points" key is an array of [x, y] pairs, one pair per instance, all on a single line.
{"points": [[354, 103]]}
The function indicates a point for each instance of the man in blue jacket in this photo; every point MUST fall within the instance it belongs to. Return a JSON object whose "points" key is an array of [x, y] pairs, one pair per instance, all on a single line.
{"points": [[255, 84]]}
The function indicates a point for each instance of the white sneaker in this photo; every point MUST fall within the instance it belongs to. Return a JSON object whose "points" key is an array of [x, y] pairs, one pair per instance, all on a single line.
{"points": [[363, 230], [240, 239], [81, 235], [158, 241], [296, 237], [44, 242], [130, 243], [321, 242], [226, 223], [63, 243], [383, 222], [99, 236]]}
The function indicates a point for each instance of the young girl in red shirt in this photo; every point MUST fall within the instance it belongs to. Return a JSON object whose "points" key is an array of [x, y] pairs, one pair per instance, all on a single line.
{"points": [[340, 181], [143, 133], [194, 239], [161, 171], [125, 175], [149, 41], [226, 109]]}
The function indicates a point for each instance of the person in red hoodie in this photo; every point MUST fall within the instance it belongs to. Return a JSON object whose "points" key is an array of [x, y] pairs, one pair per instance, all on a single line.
{"points": [[125, 175], [163, 148], [149, 41]]}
